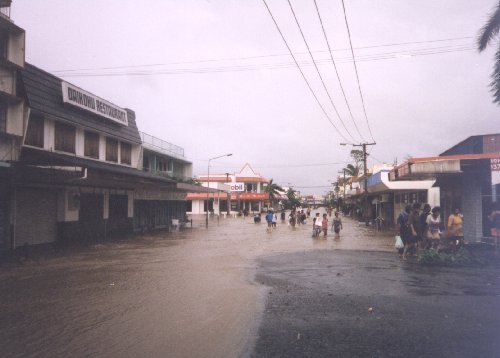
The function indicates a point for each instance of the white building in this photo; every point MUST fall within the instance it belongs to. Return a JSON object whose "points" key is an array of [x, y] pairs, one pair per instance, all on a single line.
{"points": [[238, 192]]}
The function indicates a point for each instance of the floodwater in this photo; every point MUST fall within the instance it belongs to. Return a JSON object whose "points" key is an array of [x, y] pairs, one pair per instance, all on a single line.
{"points": [[184, 294]]}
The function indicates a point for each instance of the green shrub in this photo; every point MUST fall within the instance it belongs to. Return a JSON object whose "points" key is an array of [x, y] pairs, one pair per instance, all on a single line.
{"points": [[440, 258]]}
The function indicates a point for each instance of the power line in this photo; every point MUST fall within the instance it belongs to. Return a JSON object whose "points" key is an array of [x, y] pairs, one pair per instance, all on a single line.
{"points": [[257, 56], [336, 71], [302, 73], [356, 70], [271, 66], [317, 70], [256, 166]]}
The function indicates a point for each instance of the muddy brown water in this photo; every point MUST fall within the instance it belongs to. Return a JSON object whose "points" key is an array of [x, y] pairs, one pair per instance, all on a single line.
{"points": [[185, 294]]}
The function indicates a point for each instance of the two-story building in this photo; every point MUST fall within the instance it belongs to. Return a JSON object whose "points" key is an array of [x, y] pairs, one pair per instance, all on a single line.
{"points": [[79, 175], [238, 192], [73, 166], [153, 208], [78, 165]]}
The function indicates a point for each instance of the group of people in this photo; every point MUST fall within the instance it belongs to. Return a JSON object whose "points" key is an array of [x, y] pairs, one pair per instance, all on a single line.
{"points": [[424, 229], [321, 224], [299, 217], [271, 219]]}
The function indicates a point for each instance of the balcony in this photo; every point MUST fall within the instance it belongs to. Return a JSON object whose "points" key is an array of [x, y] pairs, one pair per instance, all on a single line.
{"points": [[159, 145]]}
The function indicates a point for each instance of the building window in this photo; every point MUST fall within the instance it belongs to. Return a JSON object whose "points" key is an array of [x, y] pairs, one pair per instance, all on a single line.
{"points": [[111, 150], [145, 163], [422, 197], [91, 145], [126, 153], [34, 134], [161, 165], [65, 137]]}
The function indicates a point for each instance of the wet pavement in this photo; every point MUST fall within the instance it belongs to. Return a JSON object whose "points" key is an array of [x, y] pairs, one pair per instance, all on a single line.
{"points": [[238, 290], [370, 304]]}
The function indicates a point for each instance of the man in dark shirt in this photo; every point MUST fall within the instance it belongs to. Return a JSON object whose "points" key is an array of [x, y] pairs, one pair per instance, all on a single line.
{"points": [[416, 229]]}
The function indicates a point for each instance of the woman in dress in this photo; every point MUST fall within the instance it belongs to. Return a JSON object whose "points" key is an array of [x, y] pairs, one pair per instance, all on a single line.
{"points": [[433, 223], [337, 224], [455, 229]]}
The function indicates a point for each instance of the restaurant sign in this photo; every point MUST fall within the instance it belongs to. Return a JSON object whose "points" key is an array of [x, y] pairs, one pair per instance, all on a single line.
{"points": [[89, 102]]}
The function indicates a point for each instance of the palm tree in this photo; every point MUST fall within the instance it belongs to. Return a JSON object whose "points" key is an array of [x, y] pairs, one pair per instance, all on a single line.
{"points": [[273, 190], [351, 170], [487, 34], [292, 200]]}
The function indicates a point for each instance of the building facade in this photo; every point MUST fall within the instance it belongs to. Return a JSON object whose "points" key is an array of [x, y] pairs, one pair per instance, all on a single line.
{"points": [[468, 176], [234, 193], [153, 208], [12, 112]]}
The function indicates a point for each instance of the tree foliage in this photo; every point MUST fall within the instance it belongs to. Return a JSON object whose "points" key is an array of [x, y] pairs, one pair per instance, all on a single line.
{"points": [[292, 199], [351, 170], [273, 190], [487, 34], [357, 156]]}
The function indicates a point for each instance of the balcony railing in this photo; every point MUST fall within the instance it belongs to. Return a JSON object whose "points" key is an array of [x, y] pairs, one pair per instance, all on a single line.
{"points": [[161, 145], [169, 175]]}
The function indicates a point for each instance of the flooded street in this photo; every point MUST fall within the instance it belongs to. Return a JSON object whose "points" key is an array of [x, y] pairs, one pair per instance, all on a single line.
{"points": [[184, 294], [193, 293]]}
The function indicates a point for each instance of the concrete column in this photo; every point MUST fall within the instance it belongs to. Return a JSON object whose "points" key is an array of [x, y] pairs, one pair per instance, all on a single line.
{"points": [[472, 208], [130, 197], [105, 214]]}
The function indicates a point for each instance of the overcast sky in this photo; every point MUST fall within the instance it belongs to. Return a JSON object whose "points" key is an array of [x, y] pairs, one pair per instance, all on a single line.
{"points": [[216, 77]]}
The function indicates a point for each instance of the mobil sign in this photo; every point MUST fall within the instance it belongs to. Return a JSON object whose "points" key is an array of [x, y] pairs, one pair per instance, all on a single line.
{"points": [[236, 186]]}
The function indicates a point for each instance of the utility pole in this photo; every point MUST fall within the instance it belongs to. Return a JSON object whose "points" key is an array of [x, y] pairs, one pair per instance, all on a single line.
{"points": [[343, 171], [365, 169]]}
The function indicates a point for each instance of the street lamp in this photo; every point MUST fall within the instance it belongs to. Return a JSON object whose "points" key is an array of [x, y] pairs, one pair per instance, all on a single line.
{"points": [[208, 182]]}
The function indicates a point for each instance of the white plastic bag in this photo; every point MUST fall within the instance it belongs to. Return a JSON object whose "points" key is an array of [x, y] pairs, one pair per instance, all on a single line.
{"points": [[399, 243]]}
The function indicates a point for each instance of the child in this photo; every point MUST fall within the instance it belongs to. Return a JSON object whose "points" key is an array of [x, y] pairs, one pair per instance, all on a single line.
{"points": [[324, 225], [316, 225]]}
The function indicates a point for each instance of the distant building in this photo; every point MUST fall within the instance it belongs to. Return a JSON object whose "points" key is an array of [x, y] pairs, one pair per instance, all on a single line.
{"points": [[243, 191]]}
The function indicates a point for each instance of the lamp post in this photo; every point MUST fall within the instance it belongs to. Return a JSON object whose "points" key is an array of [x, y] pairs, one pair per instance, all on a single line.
{"points": [[208, 183]]}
